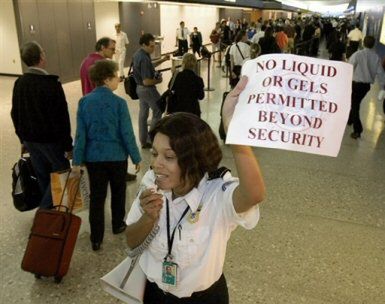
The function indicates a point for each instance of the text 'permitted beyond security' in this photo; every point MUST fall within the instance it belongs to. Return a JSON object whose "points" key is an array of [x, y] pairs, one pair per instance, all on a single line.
{"points": [[293, 103]]}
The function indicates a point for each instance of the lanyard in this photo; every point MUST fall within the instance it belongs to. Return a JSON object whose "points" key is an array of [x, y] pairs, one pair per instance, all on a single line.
{"points": [[170, 238]]}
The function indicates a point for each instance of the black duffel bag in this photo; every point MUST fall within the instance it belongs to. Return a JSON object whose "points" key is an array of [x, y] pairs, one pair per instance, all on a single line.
{"points": [[26, 193], [130, 85]]}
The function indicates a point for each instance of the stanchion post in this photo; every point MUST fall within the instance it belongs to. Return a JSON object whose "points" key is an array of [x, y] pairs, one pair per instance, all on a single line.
{"points": [[220, 58], [208, 74]]}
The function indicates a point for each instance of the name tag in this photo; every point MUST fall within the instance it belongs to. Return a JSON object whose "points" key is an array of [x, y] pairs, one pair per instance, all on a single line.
{"points": [[169, 273]]}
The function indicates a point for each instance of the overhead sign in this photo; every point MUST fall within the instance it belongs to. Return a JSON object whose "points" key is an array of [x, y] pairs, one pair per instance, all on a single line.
{"points": [[294, 103]]}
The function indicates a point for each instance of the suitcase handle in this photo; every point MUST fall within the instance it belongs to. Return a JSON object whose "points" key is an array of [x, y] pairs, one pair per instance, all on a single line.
{"points": [[64, 189]]}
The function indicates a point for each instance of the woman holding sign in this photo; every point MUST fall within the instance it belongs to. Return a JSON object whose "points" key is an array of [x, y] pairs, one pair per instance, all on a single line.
{"points": [[196, 207]]}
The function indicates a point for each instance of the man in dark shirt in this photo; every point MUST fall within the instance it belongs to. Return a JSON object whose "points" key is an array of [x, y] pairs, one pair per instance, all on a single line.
{"points": [[40, 116], [146, 79]]}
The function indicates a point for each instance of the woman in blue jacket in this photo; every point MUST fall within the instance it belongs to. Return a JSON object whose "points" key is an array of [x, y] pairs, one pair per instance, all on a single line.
{"points": [[104, 141]]}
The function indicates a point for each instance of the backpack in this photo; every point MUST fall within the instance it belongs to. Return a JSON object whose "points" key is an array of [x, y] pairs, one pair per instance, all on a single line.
{"points": [[25, 188]]}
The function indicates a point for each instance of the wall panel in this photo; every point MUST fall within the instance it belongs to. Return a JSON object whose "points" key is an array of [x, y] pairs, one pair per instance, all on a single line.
{"points": [[65, 29]]}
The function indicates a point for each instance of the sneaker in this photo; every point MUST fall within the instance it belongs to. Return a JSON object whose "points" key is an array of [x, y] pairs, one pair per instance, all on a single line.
{"points": [[130, 177], [355, 135]]}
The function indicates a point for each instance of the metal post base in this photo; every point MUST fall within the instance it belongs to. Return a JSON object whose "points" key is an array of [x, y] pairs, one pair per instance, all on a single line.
{"points": [[209, 89]]}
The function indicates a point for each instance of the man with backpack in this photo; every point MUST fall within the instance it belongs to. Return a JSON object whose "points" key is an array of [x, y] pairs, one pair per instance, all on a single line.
{"points": [[239, 52], [40, 116]]}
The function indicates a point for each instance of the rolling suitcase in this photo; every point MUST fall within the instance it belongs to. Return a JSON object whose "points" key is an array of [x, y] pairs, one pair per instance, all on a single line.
{"points": [[51, 242]]}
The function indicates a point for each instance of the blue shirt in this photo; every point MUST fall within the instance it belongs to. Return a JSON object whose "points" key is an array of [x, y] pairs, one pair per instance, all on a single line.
{"points": [[104, 129], [367, 65], [142, 66]]}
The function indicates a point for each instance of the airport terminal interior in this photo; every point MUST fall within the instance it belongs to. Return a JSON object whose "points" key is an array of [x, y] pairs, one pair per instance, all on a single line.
{"points": [[320, 238]]}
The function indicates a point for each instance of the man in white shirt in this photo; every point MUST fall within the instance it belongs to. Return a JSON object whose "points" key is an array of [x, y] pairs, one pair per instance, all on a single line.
{"points": [[355, 37], [239, 52], [366, 67], [182, 34], [259, 33], [120, 49]]}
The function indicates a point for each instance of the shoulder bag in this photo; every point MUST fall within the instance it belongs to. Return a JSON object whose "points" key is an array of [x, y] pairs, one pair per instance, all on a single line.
{"points": [[167, 97], [26, 192], [130, 84], [127, 281]]}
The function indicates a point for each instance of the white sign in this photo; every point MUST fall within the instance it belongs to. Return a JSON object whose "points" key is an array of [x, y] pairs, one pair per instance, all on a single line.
{"points": [[294, 103]]}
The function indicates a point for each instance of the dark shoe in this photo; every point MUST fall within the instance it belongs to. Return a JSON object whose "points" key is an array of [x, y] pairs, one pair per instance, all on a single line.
{"points": [[355, 135], [147, 146], [130, 177], [119, 230], [96, 246]]}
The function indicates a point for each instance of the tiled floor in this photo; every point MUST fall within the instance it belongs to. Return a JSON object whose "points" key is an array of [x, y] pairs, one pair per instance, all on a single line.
{"points": [[321, 238]]}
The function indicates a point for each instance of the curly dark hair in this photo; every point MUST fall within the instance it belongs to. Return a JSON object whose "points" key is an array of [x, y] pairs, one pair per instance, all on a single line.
{"points": [[102, 70], [193, 142]]}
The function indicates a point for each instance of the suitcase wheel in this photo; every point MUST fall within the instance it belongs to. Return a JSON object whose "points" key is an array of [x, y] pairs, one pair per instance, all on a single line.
{"points": [[58, 280], [37, 276]]}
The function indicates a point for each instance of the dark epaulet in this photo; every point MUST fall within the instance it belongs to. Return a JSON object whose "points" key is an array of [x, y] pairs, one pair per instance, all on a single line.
{"points": [[218, 173]]}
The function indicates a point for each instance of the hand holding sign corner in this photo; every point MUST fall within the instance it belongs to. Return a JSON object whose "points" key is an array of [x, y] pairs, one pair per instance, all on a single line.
{"points": [[231, 101]]}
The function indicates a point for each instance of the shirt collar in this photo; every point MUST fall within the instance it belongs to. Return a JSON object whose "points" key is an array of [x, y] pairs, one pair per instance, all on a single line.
{"points": [[35, 70], [193, 198]]}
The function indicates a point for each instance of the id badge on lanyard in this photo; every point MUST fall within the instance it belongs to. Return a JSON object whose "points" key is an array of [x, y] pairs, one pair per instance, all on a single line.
{"points": [[169, 268]]}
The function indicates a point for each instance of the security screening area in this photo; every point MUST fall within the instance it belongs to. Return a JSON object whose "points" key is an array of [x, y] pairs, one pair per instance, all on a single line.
{"points": [[307, 194]]}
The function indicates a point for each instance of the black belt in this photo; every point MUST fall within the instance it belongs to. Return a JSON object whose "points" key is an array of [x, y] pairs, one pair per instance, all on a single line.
{"points": [[217, 288]]}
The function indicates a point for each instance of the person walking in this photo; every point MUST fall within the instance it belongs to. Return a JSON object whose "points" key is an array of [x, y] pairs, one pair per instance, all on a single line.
{"points": [[366, 66], [104, 49], [188, 88], [104, 141], [182, 34], [196, 41], [120, 49], [41, 120], [147, 78]]}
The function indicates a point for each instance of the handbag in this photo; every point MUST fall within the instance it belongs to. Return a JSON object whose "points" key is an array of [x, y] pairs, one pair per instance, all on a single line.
{"points": [[130, 291], [127, 281], [64, 189], [130, 84], [26, 192], [167, 97]]}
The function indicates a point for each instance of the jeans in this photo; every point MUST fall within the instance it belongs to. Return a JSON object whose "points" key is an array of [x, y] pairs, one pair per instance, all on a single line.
{"points": [[148, 96], [46, 158], [100, 174]]}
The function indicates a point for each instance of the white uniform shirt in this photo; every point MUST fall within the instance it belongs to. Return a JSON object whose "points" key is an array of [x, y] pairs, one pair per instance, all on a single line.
{"points": [[186, 33], [355, 35], [121, 41], [257, 36], [200, 248], [245, 49]]}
